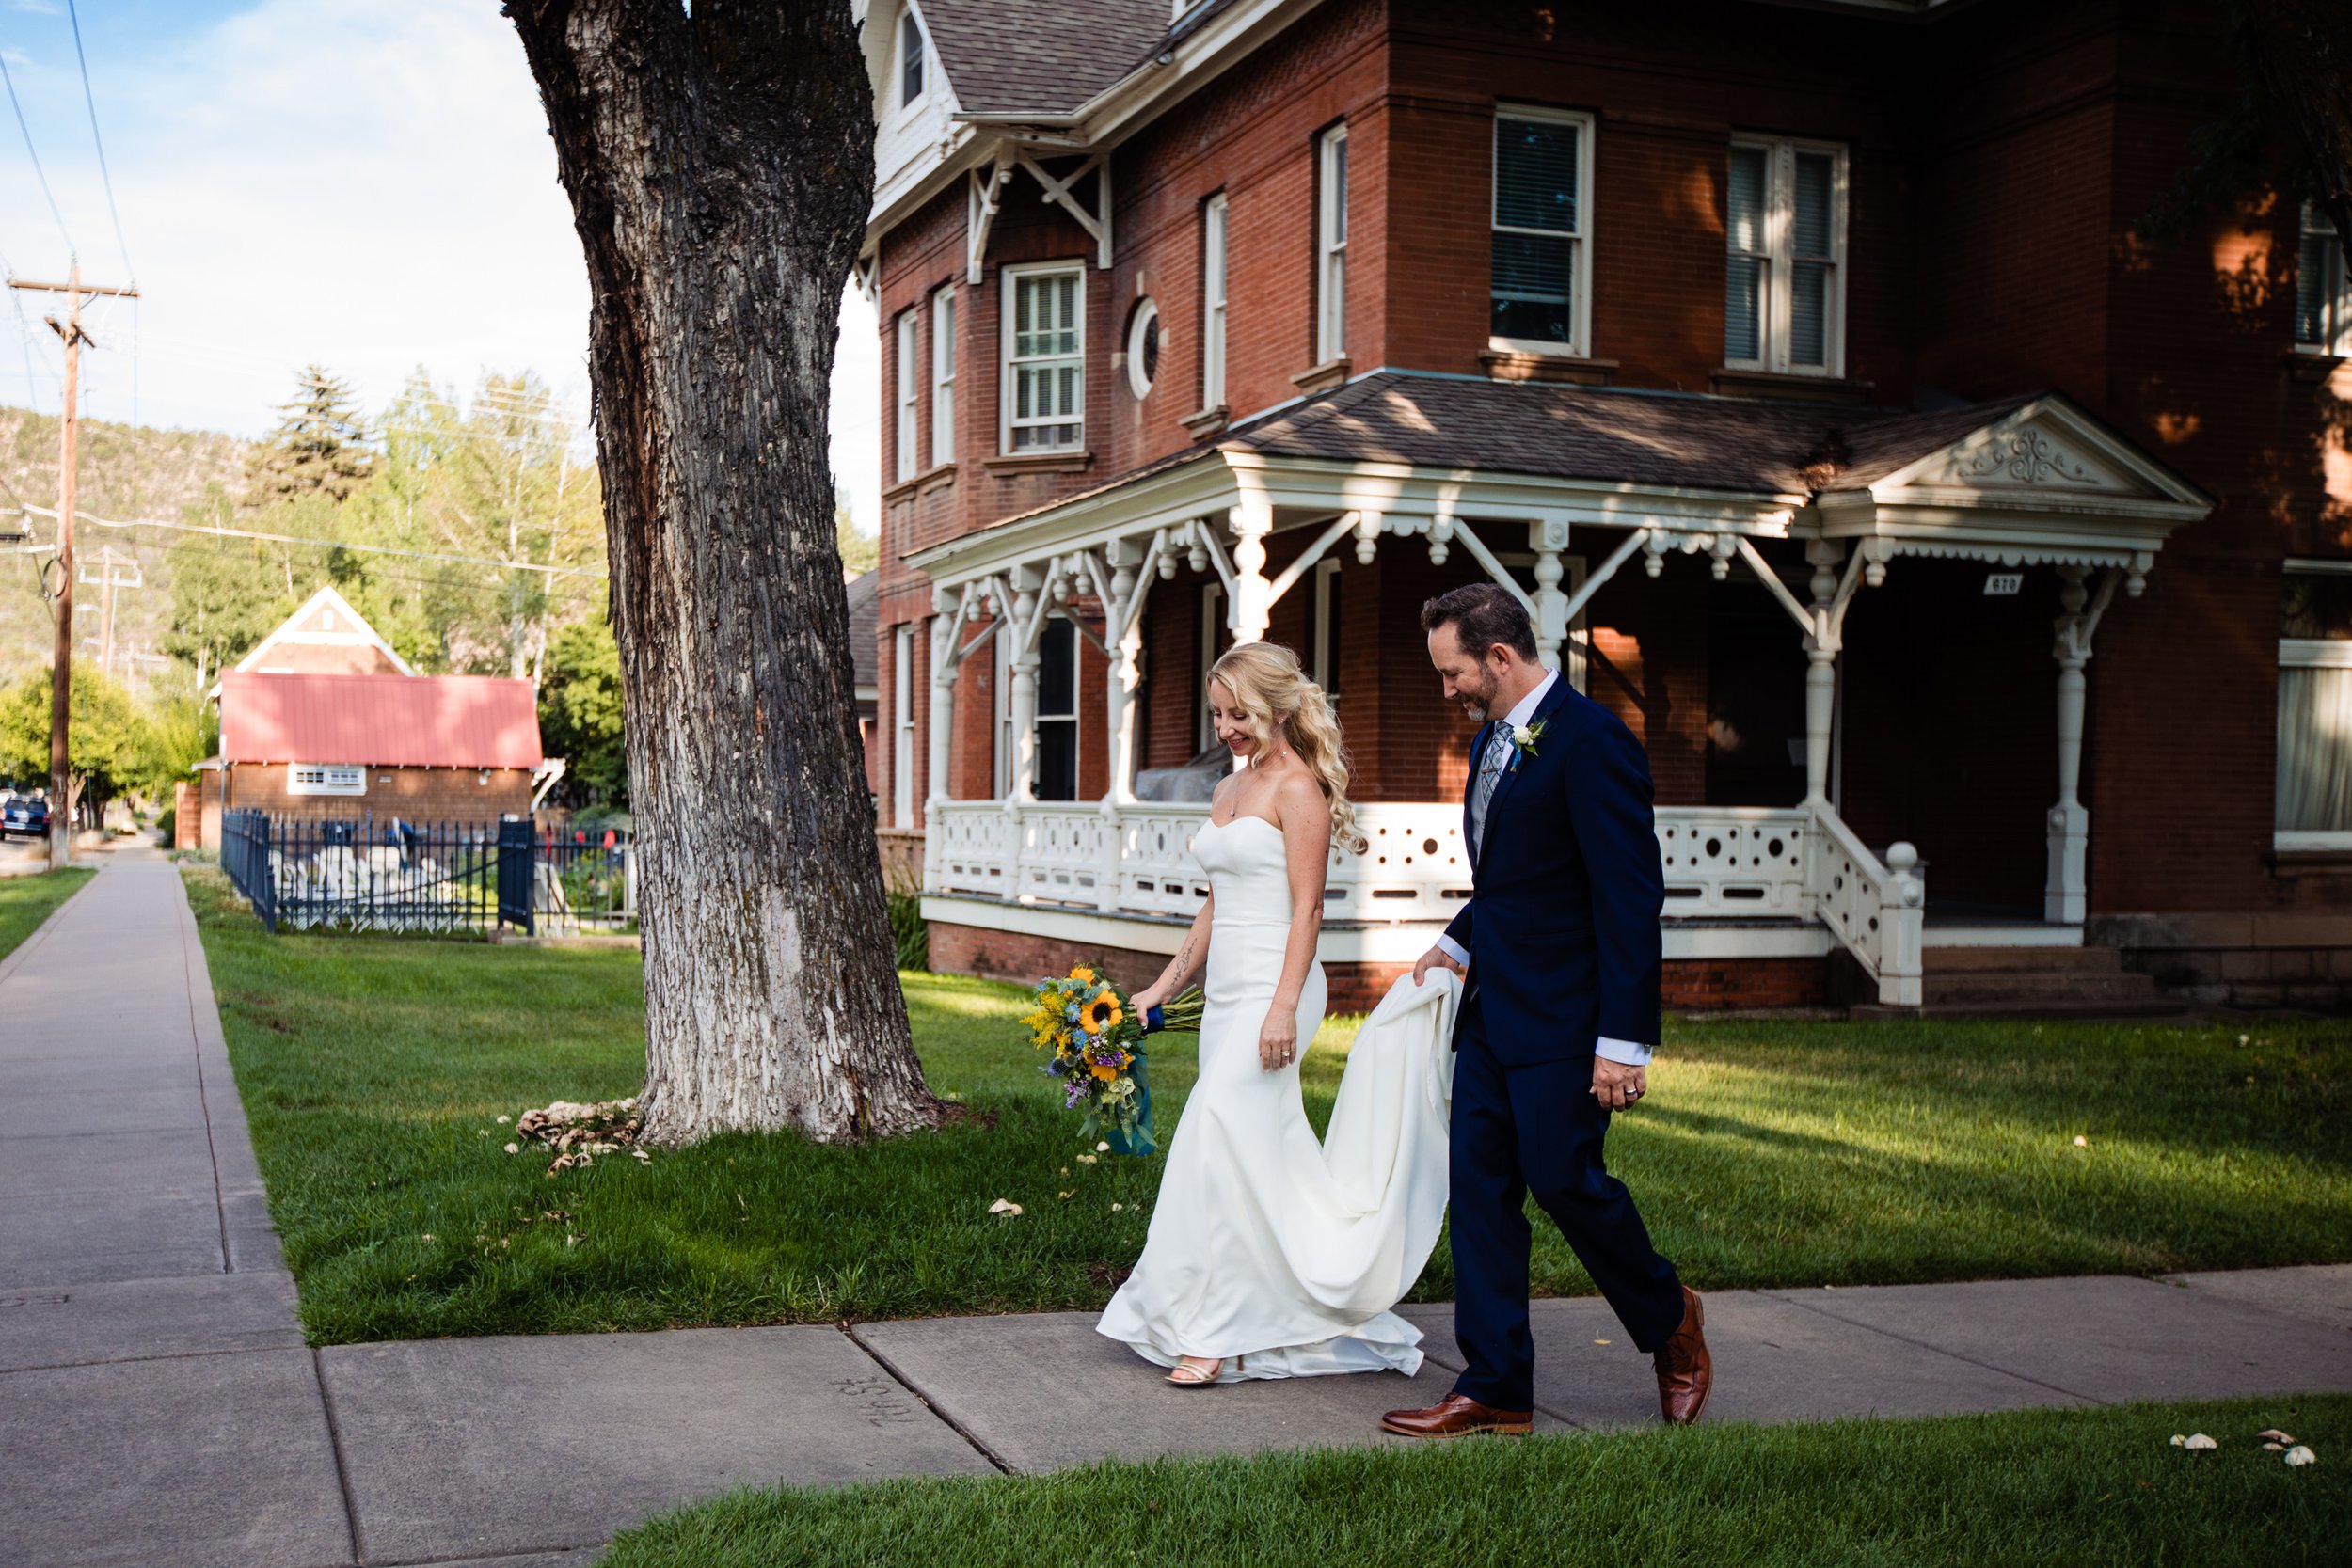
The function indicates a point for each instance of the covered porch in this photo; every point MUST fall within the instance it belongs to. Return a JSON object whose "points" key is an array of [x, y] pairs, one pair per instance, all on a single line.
{"points": [[1557, 493]]}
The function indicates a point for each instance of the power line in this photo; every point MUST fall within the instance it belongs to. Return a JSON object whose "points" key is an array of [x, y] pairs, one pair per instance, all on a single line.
{"points": [[323, 543], [104, 178], [13, 103]]}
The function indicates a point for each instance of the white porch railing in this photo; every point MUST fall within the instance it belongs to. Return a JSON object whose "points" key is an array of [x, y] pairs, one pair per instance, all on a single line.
{"points": [[1720, 862]]}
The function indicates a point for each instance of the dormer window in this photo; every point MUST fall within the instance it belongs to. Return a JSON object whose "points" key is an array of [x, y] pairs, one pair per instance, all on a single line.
{"points": [[910, 59]]}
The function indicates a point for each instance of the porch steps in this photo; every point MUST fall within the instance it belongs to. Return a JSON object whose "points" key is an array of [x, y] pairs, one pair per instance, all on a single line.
{"points": [[2037, 982]]}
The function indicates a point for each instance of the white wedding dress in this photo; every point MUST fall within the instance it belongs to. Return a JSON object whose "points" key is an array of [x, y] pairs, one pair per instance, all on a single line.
{"points": [[1267, 1249]]}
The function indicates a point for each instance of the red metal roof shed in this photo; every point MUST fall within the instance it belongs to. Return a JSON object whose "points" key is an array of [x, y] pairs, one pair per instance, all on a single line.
{"points": [[379, 720]]}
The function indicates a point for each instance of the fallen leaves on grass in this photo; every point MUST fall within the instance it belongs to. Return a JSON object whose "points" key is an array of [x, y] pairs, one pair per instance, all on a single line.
{"points": [[578, 1133], [1006, 1207], [2300, 1455], [2197, 1440]]}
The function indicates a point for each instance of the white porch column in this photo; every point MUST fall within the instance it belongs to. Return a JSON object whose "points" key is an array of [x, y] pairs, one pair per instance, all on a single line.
{"points": [[943, 727], [2066, 895], [1123, 621], [1547, 538], [1023, 626], [1820, 671], [1253, 600]]}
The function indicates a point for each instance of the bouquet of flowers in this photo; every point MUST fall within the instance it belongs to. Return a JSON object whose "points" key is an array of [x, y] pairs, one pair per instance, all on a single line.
{"points": [[1097, 1041]]}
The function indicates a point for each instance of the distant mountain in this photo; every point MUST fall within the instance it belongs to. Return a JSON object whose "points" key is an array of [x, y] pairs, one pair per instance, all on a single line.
{"points": [[124, 471]]}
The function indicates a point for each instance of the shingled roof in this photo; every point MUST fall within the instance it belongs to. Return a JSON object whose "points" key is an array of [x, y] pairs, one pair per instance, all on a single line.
{"points": [[1042, 56], [1689, 442]]}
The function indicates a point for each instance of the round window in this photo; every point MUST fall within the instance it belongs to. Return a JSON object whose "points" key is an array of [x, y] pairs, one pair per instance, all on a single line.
{"points": [[1143, 348]]}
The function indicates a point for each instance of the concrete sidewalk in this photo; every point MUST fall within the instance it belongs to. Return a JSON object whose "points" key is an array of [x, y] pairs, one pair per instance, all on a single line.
{"points": [[157, 1403]]}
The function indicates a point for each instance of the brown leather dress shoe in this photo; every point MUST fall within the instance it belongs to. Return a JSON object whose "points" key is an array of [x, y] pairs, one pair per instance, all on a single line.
{"points": [[1685, 1370], [1457, 1416]]}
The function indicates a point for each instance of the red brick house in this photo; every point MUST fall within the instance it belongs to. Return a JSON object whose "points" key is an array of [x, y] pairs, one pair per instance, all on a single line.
{"points": [[1977, 573], [323, 719]]}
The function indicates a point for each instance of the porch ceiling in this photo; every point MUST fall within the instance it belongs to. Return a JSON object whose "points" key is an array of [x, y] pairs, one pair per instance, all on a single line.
{"points": [[2024, 478]]}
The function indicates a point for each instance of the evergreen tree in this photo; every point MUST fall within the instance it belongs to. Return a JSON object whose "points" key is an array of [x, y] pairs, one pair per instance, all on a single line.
{"points": [[320, 445], [579, 714]]}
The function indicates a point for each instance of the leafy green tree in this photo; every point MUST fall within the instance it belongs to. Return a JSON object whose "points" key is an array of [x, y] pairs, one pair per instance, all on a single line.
{"points": [[860, 553], [579, 714], [111, 750]]}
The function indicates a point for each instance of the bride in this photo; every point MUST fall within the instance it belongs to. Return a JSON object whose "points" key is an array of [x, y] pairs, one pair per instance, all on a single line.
{"points": [[1270, 1255]]}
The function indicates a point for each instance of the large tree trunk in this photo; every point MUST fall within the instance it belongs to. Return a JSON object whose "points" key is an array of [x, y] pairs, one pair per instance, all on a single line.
{"points": [[718, 167]]}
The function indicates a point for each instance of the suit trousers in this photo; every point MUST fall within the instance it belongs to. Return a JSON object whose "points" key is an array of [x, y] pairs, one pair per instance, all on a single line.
{"points": [[1537, 1129]]}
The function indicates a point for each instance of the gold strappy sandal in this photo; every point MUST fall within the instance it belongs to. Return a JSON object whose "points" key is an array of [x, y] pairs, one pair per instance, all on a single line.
{"points": [[1193, 1377]]}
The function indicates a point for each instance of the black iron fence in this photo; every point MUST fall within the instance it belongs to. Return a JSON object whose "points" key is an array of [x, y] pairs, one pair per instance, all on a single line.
{"points": [[386, 874]]}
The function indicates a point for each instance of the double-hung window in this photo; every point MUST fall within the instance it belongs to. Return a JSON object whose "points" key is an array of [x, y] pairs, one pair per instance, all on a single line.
{"points": [[1542, 263], [1331, 244], [1056, 776], [1785, 231], [944, 376], [910, 59], [1044, 394], [2314, 767], [2323, 287], [903, 727], [1213, 303], [909, 380]]}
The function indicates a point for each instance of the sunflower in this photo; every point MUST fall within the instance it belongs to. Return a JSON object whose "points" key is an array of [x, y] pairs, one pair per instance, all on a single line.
{"points": [[1084, 975], [1100, 1014], [1105, 1070]]}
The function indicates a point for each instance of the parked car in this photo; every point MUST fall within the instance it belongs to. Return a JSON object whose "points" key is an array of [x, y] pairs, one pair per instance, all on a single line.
{"points": [[27, 814]]}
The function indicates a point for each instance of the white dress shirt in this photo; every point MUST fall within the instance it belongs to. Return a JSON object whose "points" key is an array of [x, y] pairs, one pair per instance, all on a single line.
{"points": [[1627, 1052]]}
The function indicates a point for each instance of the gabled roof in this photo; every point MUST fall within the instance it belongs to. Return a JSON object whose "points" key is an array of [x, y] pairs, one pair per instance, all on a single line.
{"points": [[864, 595], [379, 720], [326, 620], [1043, 56]]}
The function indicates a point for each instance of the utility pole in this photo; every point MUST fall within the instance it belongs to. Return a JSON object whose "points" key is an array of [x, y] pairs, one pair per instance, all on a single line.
{"points": [[112, 569], [61, 673]]}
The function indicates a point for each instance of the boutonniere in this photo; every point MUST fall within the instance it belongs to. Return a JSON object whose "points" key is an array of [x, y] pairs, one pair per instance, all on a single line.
{"points": [[1523, 742]]}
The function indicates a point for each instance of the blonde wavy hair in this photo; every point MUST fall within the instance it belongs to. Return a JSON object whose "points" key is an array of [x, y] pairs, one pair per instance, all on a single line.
{"points": [[1273, 693]]}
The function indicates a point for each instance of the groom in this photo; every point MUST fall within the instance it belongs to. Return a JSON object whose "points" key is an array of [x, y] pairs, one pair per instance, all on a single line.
{"points": [[1560, 945]]}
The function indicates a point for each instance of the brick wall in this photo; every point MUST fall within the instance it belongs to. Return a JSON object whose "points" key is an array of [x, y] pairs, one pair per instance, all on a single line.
{"points": [[418, 793]]}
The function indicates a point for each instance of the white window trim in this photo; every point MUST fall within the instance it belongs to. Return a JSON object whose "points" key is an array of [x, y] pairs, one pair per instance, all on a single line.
{"points": [[1001, 764], [909, 382], [1211, 623], [1139, 379], [944, 329], [2337, 342], [1319, 656], [1780, 169], [326, 778], [1331, 229], [1037, 752], [1580, 277], [1004, 401], [2313, 652], [1215, 233], [903, 727], [908, 107]]}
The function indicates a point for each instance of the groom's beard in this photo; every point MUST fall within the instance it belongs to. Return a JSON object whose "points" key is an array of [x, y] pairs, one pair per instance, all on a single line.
{"points": [[1478, 704]]}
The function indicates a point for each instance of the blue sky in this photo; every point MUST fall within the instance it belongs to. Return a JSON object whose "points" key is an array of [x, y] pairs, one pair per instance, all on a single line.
{"points": [[366, 184]]}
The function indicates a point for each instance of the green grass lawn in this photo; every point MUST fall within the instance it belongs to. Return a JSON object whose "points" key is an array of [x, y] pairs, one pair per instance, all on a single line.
{"points": [[1770, 1152], [26, 901], [2047, 1486]]}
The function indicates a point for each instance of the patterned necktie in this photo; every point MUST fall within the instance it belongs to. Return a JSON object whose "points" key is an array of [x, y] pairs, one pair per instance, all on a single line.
{"points": [[1490, 767]]}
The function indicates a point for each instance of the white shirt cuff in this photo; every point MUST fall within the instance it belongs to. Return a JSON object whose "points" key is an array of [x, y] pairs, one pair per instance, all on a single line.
{"points": [[1621, 1051], [1454, 950]]}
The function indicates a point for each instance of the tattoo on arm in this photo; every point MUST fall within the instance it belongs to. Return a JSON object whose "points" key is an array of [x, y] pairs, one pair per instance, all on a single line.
{"points": [[1178, 970]]}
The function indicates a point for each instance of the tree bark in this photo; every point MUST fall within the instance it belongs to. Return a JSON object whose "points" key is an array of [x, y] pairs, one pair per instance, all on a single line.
{"points": [[718, 167]]}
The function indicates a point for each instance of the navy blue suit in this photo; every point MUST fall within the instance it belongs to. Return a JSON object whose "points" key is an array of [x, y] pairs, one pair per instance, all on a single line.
{"points": [[1563, 936]]}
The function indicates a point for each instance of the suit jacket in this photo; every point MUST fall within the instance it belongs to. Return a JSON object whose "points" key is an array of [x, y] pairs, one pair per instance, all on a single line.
{"points": [[1561, 925]]}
